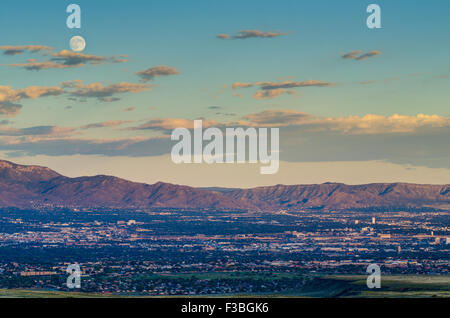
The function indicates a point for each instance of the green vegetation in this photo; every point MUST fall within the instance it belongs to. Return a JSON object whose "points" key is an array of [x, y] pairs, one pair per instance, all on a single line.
{"points": [[24, 293], [398, 286], [314, 286]]}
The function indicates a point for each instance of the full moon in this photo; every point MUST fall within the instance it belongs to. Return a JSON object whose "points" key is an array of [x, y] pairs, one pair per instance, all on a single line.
{"points": [[77, 44]]}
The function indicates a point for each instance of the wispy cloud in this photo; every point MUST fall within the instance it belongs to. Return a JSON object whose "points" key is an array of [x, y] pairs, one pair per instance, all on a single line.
{"points": [[130, 147], [67, 59], [353, 125], [130, 109], [153, 72], [168, 124], [107, 124], [223, 36], [292, 84], [272, 93], [19, 49], [277, 118], [54, 131], [35, 65], [359, 55], [106, 93], [241, 85], [248, 34], [10, 97], [47, 132], [414, 139], [269, 90]]}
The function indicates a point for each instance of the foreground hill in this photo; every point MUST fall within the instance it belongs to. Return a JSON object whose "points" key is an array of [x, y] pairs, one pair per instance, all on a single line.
{"points": [[32, 186]]}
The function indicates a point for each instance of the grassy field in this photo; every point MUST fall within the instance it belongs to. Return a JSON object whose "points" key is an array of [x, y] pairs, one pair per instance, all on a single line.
{"points": [[404, 286], [24, 293], [401, 286]]}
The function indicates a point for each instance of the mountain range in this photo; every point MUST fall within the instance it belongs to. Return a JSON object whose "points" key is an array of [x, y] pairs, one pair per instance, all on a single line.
{"points": [[35, 186]]}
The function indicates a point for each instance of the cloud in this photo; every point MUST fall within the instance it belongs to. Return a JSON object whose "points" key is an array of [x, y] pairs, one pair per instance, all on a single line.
{"points": [[129, 147], [237, 85], [35, 92], [420, 139], [247, 34], [275, 89], [379, 124], [169, 124], [161, 70], [272, 93], [104, 93], [107, 124], [10, 97], [292, 84], [72, 83], [351, 55], [19, 49], [130, 109], [277, 118], [76, 91], [223, 36], [35, 65], [360, 56], [9, 109], [352, 125], [68, 59], [53, 131]]}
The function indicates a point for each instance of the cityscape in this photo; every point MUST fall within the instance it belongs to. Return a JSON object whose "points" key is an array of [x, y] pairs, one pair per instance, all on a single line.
{"points": [[182, 253]]}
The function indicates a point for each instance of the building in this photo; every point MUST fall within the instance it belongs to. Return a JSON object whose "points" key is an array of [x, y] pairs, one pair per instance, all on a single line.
{"points": [[30, 274]]}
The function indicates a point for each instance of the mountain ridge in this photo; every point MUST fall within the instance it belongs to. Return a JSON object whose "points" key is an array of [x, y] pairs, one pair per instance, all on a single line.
{"points": [[33, 186]]}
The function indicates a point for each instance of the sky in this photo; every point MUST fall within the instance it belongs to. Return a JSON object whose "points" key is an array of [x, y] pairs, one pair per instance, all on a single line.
{"points": [[353, 104]]}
